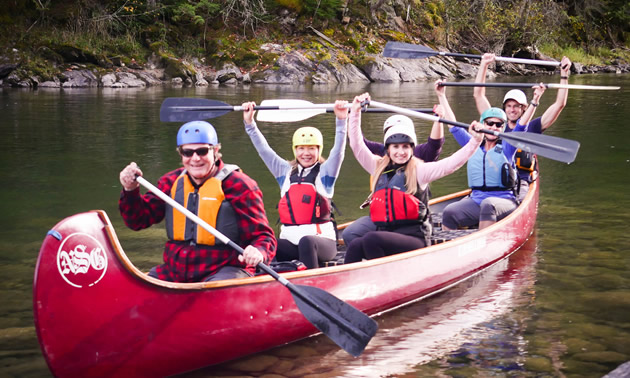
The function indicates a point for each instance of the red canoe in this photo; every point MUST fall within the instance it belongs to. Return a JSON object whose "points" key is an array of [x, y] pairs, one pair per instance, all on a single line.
{"points": [[97, 315]]}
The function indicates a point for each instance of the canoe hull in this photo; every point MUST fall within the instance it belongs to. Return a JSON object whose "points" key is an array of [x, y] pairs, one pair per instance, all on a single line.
{"points": [[97, 315]]}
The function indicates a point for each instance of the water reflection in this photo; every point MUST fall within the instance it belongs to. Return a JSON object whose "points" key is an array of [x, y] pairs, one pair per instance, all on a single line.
{"points": [[63, 150], [473, 313]]}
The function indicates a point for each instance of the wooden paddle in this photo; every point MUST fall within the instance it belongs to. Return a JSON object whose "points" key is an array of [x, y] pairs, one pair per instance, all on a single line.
{"points": [[410, 51], [348, 327], [185, 109], [560, 149], [528, 85]]}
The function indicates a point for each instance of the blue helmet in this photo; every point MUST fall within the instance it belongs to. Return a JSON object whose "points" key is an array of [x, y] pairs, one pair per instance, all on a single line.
{"points": [[197, 132], [493, 113]]}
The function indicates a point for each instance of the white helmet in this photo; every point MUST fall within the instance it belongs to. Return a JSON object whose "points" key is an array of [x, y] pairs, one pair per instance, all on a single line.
{"points": [[400, 133], [397, 119], [516, 95]]}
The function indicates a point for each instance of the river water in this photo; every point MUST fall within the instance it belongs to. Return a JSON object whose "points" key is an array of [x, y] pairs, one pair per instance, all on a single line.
{"points": [[558, 307]]}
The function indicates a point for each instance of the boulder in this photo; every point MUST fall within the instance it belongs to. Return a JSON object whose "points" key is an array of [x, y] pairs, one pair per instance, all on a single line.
{"points": [[108, 80], [150, 78], [79, 79], [55, 83], [130, 80], [6, 69], [228, 72], [290, 68]]}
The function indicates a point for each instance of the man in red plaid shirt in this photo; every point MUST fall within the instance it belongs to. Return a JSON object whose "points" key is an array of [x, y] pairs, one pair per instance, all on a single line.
{"points": [[220, 194]]}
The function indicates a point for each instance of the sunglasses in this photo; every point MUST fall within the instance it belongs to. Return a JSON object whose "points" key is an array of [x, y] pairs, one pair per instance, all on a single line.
{"points": [[495, 124], [202, 151]]}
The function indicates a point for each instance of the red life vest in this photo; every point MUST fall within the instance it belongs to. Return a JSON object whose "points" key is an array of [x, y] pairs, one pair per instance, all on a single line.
{"points": [[391, 206], [301, 204]]}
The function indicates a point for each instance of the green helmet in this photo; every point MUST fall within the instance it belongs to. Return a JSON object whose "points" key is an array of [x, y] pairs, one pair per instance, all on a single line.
{"points": [[493, 113]]}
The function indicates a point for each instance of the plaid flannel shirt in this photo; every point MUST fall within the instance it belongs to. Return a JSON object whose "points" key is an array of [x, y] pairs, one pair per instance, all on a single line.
{"points": [[184, 262]]}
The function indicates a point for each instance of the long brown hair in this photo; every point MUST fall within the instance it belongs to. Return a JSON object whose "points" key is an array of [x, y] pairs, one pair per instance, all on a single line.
{"points": [[411, 180]]}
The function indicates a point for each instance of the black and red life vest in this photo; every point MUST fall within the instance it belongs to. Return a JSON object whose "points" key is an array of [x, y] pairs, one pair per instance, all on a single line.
{"points": [[391, 206], [301, 204]]}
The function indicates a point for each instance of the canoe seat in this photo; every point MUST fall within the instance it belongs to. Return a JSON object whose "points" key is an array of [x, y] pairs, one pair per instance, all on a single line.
{"points": [[441, 236], [337, 260]]}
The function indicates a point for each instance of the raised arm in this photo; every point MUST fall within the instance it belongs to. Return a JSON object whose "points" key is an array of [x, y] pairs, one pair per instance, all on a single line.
{"points": [[363, 155], [331, 167], [479, 93], [551, 114], [531, 108], [276, 165], [428, 172]]}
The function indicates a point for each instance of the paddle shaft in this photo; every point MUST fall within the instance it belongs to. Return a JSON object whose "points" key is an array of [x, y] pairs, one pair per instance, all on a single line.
{"points": [[410, 51], [257, 107], [327, 107], [552, 147], [529, 85], [504, 59], [225, 240]]}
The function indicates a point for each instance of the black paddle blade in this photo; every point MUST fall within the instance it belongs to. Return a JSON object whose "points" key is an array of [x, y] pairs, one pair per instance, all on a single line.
{"points": [[348, 327], [560, 149], [407, 51], [186, 109]]}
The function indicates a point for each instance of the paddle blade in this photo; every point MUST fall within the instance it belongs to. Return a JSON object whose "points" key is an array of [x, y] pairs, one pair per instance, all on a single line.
{"points": [[560, 149], [348, 327], [407, 51], [186, 109], [288, 111]]}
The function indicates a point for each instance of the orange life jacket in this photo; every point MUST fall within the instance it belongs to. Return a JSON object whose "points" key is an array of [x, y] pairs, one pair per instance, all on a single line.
{"points": [[208, 203]]}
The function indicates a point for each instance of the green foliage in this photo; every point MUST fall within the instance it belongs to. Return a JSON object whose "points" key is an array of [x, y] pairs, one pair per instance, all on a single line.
{"points": [[294, 5], [355, 44], [197, 13]]}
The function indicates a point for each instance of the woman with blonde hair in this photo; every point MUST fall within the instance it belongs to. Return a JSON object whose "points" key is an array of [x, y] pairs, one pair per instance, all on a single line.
{"points": [[399, 198]]}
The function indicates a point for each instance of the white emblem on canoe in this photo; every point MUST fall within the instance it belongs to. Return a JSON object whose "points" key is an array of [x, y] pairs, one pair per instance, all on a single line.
{"points": [[81, 260]]}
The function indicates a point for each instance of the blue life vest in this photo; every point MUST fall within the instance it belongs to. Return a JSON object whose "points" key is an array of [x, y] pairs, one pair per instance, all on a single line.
{"points": [[490, 170]]}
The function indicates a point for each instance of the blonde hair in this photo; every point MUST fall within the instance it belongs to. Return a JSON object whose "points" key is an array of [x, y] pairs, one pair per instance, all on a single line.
{"points": [[411, 181]]}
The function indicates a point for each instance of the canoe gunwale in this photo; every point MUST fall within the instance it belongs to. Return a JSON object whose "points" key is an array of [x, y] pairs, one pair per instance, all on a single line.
{"points": [[310, 273]]}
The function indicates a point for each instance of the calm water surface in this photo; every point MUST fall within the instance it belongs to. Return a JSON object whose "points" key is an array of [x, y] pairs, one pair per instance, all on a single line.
{"points": [[559, 307]]}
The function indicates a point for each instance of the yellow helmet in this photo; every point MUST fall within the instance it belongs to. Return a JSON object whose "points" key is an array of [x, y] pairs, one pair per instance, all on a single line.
{"points": [[308, 136]]}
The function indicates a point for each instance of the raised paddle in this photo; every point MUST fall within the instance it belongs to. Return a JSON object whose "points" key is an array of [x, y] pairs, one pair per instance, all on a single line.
{"points": [[528, 85], [348, 327], [299, 110], [185, 109], [560, 149], [410, 51]]}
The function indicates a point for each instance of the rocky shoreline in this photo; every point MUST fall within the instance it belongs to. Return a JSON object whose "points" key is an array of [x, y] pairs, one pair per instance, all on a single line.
{"points": [[291, 67]]}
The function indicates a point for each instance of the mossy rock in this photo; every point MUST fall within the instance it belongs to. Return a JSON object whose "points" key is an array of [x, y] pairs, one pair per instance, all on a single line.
{"points": [[539, 364], [48, 54], [257, 76], [175, 68], [355, 44], [393, 35], [601, 357], [269, 58], [74, 54], [246, 59], [363, 61], [575, 345]]}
